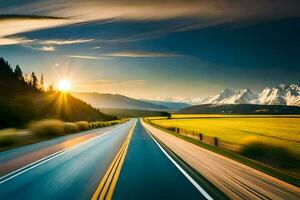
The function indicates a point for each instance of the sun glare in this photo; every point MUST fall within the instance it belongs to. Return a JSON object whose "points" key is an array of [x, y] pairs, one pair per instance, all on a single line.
{"points": [[64, 85]]}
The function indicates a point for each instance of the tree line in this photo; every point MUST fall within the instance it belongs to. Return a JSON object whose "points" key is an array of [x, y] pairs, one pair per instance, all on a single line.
{"points": [[9, 75]]}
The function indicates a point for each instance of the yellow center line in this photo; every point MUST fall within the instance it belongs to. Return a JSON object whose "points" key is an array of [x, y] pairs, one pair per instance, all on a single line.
{"points": [[108, 183]]}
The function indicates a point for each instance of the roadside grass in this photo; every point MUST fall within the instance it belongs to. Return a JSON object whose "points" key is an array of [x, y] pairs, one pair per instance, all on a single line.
{"points": [[277, 170], [8, 137], [46, 129], [275, 155], [70, 127], [82, 125]]}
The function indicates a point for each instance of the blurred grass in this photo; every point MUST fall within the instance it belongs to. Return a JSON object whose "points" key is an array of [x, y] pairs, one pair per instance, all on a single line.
{"points": [[8, 137], [70, 127], [275, 155], [82, 125], [47, 129]]}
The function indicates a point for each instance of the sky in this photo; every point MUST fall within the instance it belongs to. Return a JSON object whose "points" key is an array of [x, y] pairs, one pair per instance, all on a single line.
{"points": [[171, 49]]}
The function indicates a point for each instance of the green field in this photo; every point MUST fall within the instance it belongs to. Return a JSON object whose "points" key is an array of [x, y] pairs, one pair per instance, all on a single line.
{"points": [[281, 130]]}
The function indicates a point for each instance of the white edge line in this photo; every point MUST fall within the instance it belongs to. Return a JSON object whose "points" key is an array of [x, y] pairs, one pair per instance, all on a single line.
{"points": [[199, 188], [49, 157]]}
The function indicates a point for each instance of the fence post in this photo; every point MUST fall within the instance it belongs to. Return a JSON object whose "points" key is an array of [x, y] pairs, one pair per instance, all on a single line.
{"points": [[200, 137], [216, 141]]}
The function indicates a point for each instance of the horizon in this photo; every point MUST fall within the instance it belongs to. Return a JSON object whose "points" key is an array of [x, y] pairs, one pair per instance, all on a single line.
{"points": [[191, 101], [196, 48]]}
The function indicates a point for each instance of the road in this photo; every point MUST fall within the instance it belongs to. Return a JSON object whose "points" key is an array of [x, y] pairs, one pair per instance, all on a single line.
{"points": [[127, 162], [236, 180], [148, 173], [70, 167]]}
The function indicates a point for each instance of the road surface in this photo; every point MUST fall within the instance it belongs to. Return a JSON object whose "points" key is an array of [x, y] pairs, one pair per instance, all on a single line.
{"points": [[73, 170], [236, 180], [147, 173]]}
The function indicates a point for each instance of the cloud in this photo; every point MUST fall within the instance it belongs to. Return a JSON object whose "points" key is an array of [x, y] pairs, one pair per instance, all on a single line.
{"points": [[85, 57], [97, 47], [15, 24], [39, 14], [141, 54], [65, 42], [44, 48], [90, 10], [14, 40]]}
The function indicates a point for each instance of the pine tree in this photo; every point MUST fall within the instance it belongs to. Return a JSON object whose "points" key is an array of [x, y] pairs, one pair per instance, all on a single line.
{"points": [[34, 80], [18, 73], [50, 88], [42, 82], [26, 78]]}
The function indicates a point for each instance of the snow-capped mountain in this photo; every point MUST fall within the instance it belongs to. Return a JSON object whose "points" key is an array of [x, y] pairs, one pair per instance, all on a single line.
{"points": [[280, 95], [224, 94]]}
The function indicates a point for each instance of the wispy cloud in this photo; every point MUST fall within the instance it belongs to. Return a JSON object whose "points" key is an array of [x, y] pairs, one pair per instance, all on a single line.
{"points": [[65, 42], [141, 54], [14, 40], [76, 11], [89, 10], [44, 48], [85, 57], [97, 47], [15, 24], [38, 15]]}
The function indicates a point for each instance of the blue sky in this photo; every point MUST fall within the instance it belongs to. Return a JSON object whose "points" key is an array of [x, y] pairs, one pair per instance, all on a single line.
{"points": [[154, 49]]}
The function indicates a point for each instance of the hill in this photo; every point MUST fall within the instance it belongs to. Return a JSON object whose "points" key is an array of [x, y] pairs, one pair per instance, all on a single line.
{"points": [[22, 100], [169, 104], [240, 109], [116, 101], [126, 113]]}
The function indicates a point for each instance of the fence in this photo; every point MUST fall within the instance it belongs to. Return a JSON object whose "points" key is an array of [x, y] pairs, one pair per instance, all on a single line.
{"points": [[213, 141]]}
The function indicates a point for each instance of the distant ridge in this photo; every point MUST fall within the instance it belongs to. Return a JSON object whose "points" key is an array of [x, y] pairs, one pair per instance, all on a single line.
{"points": [[171, 105], [240, 109], [116, 101]]}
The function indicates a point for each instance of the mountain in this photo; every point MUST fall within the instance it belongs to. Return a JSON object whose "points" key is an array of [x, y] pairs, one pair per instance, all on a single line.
{"points": [[240, 109], [224, 94], [280, 95], [22, 102], [169, 104], [116, 101]]}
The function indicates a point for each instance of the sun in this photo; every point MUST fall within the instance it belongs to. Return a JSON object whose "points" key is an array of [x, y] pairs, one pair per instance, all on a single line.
{"points": [[64, 85]]}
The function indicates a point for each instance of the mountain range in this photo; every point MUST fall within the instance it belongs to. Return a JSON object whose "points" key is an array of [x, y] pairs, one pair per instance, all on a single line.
{"points": [[102, 101], [280, 95]]}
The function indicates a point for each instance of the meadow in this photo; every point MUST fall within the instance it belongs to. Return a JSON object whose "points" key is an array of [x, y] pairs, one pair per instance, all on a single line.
{"points": [[280, 130]]}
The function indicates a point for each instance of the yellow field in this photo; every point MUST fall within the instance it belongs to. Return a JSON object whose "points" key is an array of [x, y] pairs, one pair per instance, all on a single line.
{"points": [[279, 130]]}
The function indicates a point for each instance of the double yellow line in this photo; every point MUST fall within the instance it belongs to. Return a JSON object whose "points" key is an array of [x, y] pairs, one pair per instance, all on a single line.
{"points": [[108, 183]]}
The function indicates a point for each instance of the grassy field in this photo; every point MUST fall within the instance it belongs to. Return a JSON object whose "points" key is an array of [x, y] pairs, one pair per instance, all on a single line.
{"points": [[269, 143], [282, 130]]}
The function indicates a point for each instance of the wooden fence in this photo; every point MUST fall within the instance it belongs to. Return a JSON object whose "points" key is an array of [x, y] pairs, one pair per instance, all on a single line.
{"points": [[214, 141]]}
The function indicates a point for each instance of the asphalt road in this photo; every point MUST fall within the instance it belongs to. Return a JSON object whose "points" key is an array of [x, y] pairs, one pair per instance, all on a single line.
{"points": [[148, 173], [236, 180], [70, 168]]}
